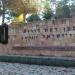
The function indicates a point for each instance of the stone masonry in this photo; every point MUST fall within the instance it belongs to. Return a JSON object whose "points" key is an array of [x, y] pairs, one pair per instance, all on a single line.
{"points": [[41, 34]]}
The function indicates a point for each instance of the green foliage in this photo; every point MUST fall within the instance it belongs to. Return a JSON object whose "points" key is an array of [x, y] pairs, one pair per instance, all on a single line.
{"points": [[1, 12], [33, 17], [63, 12], [72, 10], [59, 12], [46, 6], [63, 2], [48, 15], [63, 9], [66, 11], [14, 14], [1, 9]]}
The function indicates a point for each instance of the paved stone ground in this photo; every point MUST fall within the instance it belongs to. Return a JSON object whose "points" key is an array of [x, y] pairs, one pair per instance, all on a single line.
{"points": [[24, 69]]}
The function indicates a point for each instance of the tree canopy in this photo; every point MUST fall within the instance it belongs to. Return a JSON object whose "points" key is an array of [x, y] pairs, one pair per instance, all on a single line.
{"points": [[51, 8], [48, 15], [33, 17]]}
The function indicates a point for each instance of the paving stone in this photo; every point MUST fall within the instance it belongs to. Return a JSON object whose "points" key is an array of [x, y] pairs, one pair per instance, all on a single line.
{"points": [[24, 69]]}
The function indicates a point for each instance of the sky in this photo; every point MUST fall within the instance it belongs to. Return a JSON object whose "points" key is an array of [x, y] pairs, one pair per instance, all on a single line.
{"points": [[6, 21]]}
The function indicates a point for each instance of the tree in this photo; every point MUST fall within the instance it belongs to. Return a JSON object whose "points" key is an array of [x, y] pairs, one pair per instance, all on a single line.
{"points": [[23, 6], [66, 11], [46, 5], [48, 15], [33, 17], [1, 10], [72, 9], [63, 10], [5, 11], [59, 12]]}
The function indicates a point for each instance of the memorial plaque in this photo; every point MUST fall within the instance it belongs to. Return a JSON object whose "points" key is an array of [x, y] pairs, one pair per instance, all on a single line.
{"points": [[4, 34]]}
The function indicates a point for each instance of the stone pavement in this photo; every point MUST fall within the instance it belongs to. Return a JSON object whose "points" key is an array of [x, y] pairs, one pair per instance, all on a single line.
{"points": [[24, 69]]}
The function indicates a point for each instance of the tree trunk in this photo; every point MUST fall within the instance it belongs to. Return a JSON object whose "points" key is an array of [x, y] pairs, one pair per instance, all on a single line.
{"points": [[3, 15]]}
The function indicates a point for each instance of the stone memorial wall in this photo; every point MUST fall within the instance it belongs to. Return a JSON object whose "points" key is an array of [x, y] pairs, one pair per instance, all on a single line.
{"points": [[42, 34]]}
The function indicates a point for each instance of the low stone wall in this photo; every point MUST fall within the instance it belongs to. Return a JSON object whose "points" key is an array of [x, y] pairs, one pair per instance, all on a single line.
{"points": [[11, 50]]}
